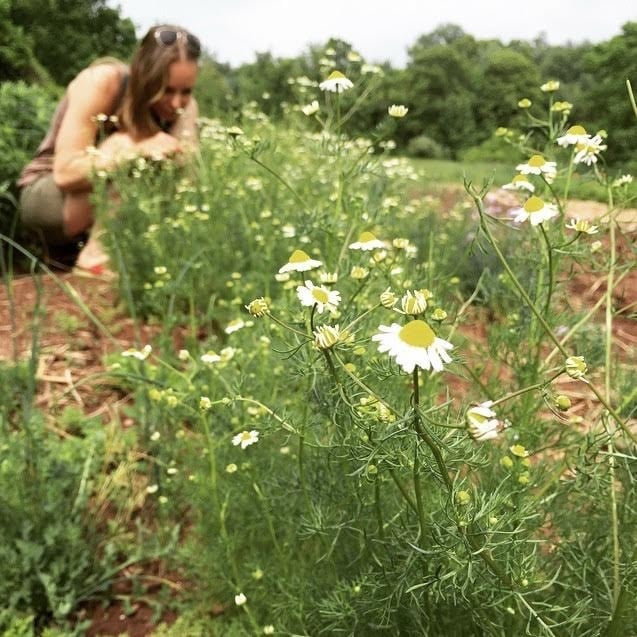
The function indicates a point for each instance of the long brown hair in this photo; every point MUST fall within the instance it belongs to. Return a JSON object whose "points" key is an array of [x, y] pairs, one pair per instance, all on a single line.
{"points": [[149, 75]]}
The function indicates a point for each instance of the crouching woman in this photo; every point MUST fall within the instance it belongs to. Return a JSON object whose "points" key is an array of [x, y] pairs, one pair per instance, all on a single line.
{"points": [[146, 109]]}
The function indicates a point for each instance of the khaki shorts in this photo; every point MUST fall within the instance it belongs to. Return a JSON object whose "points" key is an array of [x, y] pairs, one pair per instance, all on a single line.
{"points": [[42, 210]]}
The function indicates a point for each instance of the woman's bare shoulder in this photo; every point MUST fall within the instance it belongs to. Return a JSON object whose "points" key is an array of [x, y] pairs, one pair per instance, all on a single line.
{"points": [[104, 78]]}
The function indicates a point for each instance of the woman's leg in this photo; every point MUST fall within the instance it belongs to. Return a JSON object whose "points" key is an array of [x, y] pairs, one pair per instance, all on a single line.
{"points": [[42, 210], [77, 213]]}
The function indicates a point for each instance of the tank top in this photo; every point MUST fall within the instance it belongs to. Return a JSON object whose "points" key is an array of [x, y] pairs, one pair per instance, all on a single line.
{"points": [[42, 162]]}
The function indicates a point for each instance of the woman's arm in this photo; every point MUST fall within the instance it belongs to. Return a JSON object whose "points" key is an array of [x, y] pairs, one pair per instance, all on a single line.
{"points": [[185, 128], [92, 92]]}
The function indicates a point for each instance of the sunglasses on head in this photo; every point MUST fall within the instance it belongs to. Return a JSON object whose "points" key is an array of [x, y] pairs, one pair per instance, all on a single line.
{"points": [[168, 37]]}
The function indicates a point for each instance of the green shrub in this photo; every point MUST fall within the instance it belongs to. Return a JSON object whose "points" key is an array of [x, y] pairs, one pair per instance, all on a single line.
{"points": [[25, 113], [53, 550], [493, 149], [426, 148]]}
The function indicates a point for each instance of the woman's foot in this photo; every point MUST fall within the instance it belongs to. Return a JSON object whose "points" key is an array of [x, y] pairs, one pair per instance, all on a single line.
{"points": [[92, 259]]}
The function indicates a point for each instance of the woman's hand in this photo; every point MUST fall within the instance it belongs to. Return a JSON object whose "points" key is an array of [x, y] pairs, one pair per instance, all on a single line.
{"points": [[158, 146]]}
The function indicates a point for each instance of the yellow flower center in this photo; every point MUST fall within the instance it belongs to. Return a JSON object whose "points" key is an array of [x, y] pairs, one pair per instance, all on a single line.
{"points": [[298, 256], [417, 334], [245, 436], [366, 236], [518, 178], [534, 204], [537, 161], [576, 130], [336, 75], [320, 295]]}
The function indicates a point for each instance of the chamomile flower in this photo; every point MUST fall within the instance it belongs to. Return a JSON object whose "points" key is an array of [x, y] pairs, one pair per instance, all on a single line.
{"points": [[234, 326], [624, 180], [328, 278], [397, 110], [413, 303], [574, 135], [525, 103], [576, 367], [359, 273], [336, 83], [210, 358], [550, 87], [326, 336], [300, 261], [258, 307], [245, 438], [311, 108], [388, 299], [537, 165], [367, 241], [240, 599], [519, 450], [581, 225], [519, 182], [414, 344], [140, 355], [319, 296], [588, 151], [562, 107], [482, 422], [536, 211]]}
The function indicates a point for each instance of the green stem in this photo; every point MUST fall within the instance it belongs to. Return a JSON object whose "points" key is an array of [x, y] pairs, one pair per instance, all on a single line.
{"points": [[582, 321], [219, 508], [549, 260], [379, 509], [617, 624], [268, 518], [417, 486], [518, 286], [283, 181], [612, 412], [569, 175], [403, 491], [560, 205], [631, 97], [420, 507], [288, 327], [524, 390]]}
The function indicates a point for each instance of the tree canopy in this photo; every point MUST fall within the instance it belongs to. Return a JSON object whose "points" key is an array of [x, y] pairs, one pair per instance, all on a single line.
{"points": [[60, 36], [458, 88]]}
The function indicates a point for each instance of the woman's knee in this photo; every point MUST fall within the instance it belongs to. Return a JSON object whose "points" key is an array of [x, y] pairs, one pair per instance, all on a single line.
{"points": [[42, 209], [77, 213]]}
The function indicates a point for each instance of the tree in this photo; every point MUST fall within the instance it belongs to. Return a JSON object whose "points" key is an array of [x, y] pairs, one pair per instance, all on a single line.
{"points": [[67, 35], [213, 92], [17, 59], [606, 104], [507, 77], [441, 91]]}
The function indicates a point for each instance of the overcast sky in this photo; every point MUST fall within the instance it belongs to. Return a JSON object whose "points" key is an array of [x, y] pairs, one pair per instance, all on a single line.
{"points": [[233, 30]]}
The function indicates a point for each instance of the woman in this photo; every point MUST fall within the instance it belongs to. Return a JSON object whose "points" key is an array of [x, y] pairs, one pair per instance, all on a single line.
{"points": [[145, 110]]}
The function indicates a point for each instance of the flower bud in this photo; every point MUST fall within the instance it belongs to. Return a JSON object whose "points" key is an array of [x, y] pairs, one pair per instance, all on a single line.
{"points": [[463, 498], [388, 299], [258, 307], [576, 367], [414, 303], [326, 336]]}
